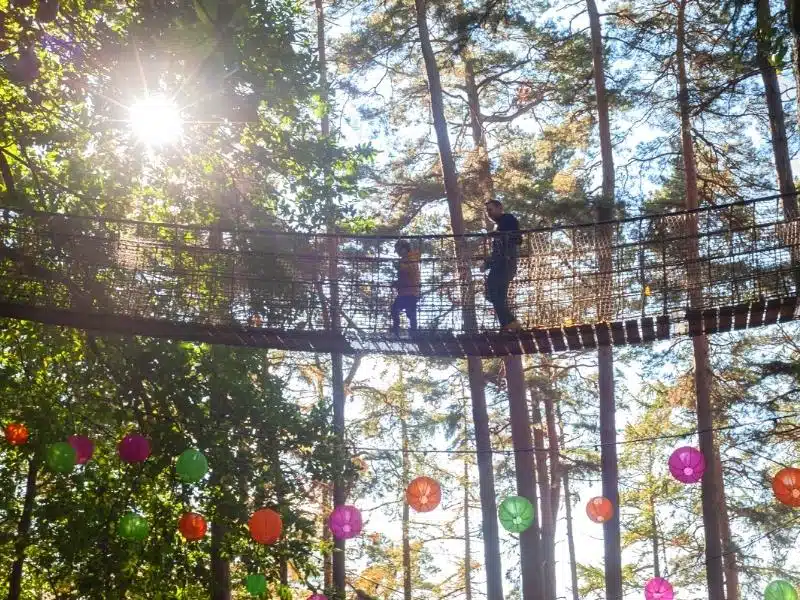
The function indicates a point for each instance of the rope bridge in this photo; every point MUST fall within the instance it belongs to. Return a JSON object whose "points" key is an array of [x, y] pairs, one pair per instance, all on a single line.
{"points": [[273, 289]]}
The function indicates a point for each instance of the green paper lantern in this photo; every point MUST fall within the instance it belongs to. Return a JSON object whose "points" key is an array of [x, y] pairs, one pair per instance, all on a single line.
{"points": [[61, 457], [256, 584], [133, 527], [780, 590], [516, 514], [191, 466]]}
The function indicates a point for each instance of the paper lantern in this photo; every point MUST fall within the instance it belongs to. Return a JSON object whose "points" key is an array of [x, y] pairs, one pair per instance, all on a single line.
{"points": [[83, 446], [423, 494], [256, 584], [687, 464], [16, 434], [265, 526], [786, 486], [134, 448], [600, 509], [516, 514], [317, 597], [192, 526], [780, 590], [345, 522], [658, 588], [60, 457], [191, 466], [133, 527]]}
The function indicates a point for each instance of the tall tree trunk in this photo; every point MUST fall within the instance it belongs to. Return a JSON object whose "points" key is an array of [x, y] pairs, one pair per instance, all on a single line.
{"points": [[772, 92], [573, 565], [795, 33], [337, 369], [553, 455], [530, 551], [406, 481], [548, 526], [728, 550], [467, 537], [534, 584], [705, 419], [605, 357], [23, 531], [491, 539], [654, 526]]}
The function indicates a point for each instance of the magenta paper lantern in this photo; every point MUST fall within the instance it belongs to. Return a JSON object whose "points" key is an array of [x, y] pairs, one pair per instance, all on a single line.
{"points": [[134, 448], [687, 464], [658, 588], [83, 446], [345, 522]]}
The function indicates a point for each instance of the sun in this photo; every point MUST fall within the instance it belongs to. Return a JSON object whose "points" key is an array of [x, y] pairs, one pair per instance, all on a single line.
{"points": [[156, 120]]}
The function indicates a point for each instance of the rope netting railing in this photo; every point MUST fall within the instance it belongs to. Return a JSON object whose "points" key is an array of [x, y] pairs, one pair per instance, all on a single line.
{"points": [[187, 281]]}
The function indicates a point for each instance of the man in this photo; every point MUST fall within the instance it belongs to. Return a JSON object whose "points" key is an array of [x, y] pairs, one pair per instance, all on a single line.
{"points": [[502, 263]]}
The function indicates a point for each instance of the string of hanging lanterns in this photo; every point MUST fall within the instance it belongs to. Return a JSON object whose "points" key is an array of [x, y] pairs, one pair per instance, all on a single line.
{"points": [[515, 513]]}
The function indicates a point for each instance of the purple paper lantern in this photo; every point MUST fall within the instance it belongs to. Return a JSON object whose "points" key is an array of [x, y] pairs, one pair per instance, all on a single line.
{"points": [[317, 597], [83, 446], [658, 588], [345, 522], [134, 448], [687, 464]]}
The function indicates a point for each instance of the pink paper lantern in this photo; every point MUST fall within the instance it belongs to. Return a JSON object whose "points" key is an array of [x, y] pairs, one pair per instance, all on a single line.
{"points": [[134, 448], [317, 597], [345, 522], [687, 464], [658, 588], [83, 446]]}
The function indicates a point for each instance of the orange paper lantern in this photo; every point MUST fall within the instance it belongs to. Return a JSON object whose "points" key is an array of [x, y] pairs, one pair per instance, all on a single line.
{"points": [[192, 526], [786, 486], [16, 434], [423, 494], [265, 526], [600, 509]]}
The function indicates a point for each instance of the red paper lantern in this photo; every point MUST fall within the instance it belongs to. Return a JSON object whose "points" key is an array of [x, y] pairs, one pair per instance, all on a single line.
{"points": [[423, 494], [265, 526], [192, 526], [16, 434], [599, 509], [786, 486], [134, 448]]}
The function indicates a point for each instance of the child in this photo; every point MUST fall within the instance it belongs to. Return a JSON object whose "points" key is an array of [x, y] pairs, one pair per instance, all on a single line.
{"points": [[407, 284]]}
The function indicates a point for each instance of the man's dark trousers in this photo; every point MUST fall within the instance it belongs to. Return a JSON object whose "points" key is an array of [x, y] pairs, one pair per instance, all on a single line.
{"points": [[497, 283]]}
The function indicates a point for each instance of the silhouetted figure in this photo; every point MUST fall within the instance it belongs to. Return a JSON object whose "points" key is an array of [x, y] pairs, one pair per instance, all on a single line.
{"points": [[502, 263]]}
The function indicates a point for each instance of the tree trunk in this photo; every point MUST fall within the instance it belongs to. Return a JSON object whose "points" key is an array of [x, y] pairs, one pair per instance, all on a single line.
{"points": [[406, 540], [23, 531], [605, 358], [791, 18], [548, 527], [700, 343], [728, 549], [467, 537], [553, 456], [573, 565], [8, 178], [777, 123], [337, 369], [491, 540], [654, 528], [531, 562]]}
